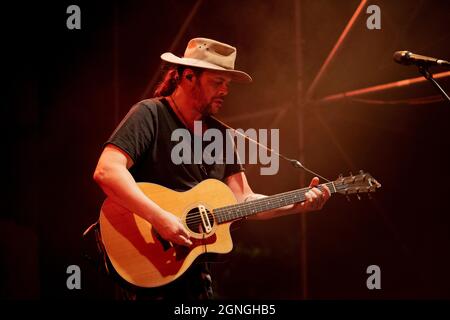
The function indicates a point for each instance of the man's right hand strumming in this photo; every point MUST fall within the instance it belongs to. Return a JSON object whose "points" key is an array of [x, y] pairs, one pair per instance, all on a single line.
{"points": [[171, 229]]}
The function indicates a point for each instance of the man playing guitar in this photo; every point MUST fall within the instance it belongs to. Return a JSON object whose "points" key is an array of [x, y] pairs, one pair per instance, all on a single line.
{"points": [[193, 89]]}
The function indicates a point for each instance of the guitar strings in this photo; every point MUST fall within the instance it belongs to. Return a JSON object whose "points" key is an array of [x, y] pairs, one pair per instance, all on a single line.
{"points": [[255, 204], [258, 205], [196, 218]]}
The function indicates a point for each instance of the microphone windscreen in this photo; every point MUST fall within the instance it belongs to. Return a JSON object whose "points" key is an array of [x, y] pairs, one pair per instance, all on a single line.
{"points": [[401, 57]]}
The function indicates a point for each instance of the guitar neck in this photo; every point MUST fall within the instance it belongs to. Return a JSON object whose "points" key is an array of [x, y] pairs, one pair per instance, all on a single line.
{"points": [[241, 210]]}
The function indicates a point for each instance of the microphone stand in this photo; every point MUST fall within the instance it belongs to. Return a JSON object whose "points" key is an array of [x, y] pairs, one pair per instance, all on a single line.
{"points": [[429, 76]]}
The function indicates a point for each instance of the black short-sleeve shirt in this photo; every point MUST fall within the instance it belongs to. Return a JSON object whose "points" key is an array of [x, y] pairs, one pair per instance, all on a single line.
{"points": [[145, 135]]}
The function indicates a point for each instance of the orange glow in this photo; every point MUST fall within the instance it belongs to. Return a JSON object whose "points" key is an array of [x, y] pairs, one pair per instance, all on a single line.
{"points": [[381, 87]]}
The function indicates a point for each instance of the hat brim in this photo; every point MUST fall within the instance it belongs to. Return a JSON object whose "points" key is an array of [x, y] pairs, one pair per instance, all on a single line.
{"points": [[236, 75]]}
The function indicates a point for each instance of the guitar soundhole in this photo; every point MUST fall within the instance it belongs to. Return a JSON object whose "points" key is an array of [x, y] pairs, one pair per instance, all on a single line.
{"points": [[194, 221]]}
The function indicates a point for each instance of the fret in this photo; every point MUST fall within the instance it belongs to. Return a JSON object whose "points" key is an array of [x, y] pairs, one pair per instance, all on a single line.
{"points": [[242, 210]]}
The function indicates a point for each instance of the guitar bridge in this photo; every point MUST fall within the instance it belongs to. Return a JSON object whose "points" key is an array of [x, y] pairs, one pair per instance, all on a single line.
{"points": [[205, 220]]}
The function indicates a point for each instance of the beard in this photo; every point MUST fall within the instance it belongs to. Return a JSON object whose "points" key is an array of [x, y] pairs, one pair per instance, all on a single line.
{"points": [[214, 105], [206, 108], [210, 109]]}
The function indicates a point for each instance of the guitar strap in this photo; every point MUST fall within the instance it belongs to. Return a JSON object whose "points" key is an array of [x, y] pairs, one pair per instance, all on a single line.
{"points": [[101, 252]]}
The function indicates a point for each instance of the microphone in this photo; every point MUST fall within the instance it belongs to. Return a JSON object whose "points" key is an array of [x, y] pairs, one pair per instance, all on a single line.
{"points": [[408, 58]]}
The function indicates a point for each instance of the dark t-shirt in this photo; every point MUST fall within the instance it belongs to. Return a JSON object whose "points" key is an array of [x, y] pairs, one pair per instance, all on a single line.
{"points": [[145, 135]]}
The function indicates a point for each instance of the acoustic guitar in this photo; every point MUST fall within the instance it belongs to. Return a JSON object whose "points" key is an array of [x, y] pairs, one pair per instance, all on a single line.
{"points": [[143, 258]]}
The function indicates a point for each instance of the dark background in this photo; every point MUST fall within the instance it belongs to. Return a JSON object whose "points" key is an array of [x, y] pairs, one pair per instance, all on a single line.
{"points": [[66, 90]]}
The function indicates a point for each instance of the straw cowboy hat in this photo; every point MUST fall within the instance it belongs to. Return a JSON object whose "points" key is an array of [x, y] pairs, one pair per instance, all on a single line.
{"points": [[209, 54]]}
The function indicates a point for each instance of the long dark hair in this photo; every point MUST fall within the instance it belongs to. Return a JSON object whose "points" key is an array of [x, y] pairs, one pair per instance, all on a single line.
{"points": [[171, 78]]}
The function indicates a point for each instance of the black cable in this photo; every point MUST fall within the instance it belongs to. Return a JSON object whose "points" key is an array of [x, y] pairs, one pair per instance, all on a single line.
{"points": [[295, 163]]}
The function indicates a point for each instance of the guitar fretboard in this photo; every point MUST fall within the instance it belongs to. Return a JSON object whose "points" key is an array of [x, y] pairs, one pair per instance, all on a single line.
{"points": [[241, 210]]}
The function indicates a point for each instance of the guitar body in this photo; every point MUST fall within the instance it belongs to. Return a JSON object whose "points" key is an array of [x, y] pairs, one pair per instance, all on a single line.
{"points": [[141, 256]]}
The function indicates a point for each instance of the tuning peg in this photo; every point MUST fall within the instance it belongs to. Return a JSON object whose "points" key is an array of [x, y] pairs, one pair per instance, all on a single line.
{"points": [[348, 198], [361, 171], [359, 197], [341, 176], [369, 196], [351, 174]]}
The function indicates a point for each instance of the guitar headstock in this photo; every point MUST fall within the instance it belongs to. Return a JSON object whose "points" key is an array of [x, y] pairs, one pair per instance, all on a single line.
{"points": [[356, 184]]}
